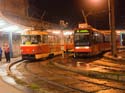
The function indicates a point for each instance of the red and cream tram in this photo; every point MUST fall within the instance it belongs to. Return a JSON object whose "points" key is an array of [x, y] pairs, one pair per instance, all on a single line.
{"points": [[37, 44], [89, 41]]}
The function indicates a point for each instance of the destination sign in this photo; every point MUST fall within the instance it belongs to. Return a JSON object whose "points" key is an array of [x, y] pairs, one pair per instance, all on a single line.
{"points": [[82, 31]]}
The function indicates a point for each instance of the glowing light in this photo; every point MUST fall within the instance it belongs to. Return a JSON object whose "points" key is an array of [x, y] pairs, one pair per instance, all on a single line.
{"points": [[86, 47], [2, 23], [119, 57], [67, 33], [78, 64], [96, 34], [77, 47], [20, 31], [11, 28], [56, 32], [95, 1], [8, 27], [118, 32], [96, 4]]}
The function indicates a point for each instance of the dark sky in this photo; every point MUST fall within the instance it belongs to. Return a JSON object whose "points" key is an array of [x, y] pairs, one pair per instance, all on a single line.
{"points": [[68, 10]]}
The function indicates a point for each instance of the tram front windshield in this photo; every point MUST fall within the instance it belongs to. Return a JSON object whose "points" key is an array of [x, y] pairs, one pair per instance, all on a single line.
{"points": [[82, 39], [31, 39]]}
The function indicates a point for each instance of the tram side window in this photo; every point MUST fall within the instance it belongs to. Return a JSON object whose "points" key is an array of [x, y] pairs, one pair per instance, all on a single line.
{"points": [[53, 39], [123, 39], [97, 38], [35, 39], [68, 39], [56, 39], [31, 39], [26, 39], [94, 40], [39, 38], [44, 39], [100, 38], [107, 38]]}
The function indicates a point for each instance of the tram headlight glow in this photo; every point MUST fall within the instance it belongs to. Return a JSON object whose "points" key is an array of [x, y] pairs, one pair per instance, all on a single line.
{"points": [[85, 47], [56, 32], [77, 47]]}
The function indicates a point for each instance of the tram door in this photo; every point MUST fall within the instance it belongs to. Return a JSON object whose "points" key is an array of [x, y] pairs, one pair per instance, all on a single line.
{"points": [[123, 39]]}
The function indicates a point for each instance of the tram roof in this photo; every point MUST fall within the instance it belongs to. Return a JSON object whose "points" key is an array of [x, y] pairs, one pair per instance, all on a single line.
{"points": [[34, 32]]}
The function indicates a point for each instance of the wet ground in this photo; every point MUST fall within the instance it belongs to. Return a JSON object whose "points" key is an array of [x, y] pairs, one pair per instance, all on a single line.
{"points": [[8, 83], [42, 76]]}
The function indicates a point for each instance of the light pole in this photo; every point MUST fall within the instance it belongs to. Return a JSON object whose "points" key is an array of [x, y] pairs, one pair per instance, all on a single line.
{"points": [[112, 27]]}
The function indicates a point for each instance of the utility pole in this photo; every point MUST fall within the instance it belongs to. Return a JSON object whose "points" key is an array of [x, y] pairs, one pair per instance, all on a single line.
{"points": [[112, 27]]}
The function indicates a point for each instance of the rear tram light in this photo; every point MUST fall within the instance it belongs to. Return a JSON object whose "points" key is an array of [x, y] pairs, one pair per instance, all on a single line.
{"points": [[33, 50]]}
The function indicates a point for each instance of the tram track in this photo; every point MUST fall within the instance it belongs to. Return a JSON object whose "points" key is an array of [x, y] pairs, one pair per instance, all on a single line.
{"points": [[68, 87], [52, 82], [111, 61], [11, 65], [112, 67], [105, 85]]}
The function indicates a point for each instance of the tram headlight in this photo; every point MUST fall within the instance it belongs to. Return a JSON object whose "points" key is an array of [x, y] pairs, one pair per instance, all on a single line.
{"points": [[86, 47], [77, 47]]}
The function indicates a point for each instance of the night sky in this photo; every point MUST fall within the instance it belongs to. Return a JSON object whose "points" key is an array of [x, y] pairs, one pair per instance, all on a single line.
{"points": [[70, 11]]}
